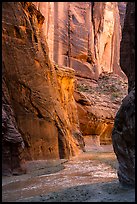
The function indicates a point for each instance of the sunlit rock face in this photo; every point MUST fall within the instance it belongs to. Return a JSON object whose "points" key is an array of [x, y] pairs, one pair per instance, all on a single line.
{"points": [[107, 33], [83, 35], [123, 135], [46, 115], [86, 37]]}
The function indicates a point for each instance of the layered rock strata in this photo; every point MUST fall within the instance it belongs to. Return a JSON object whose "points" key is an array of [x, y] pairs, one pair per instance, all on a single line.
{"points": [[97, 104], [45, 113], [12, 141], [123, 135], [84, 36]]}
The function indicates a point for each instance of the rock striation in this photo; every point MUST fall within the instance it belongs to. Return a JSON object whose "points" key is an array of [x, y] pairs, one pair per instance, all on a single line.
{"points": [[86, 37], [46, 47], [83, 35], [12, 141], [41, 96], [123, 135]]}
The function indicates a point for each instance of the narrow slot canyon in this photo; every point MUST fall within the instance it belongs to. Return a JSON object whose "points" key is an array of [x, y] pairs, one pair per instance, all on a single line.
{"points": [[68, 102]]}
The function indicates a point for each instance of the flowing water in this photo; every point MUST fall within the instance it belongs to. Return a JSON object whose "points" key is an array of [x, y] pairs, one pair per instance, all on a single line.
{"points": [[72, 177]]}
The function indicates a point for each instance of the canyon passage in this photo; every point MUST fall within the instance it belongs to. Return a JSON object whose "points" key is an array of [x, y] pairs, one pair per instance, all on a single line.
{"points": [[68, 101]]}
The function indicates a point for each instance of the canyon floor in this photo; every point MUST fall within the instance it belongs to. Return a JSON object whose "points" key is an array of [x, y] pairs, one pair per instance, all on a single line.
{"points": [[89, 177]]}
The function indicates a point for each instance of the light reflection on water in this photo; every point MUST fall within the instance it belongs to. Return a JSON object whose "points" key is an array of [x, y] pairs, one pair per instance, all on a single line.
{"points": [[78, 171]]}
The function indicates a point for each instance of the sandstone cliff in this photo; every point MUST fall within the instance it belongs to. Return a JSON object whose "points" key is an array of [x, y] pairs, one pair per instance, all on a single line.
{"points": [[123, 135], [83, 35], [41, 107], [86, 37], [45, 45], [97, 104]]}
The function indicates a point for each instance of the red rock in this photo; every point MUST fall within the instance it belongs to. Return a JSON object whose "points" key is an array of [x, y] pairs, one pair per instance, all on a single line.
{"points": [[83, 35], [42, 109], [97, 104]]}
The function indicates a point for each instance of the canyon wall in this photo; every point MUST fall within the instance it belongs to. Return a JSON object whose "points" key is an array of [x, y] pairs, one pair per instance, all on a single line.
{"points": [[122, 11], [83, 35], [98, 103], [86, 37], [41, 96], [123, 135], [46, 46], [12, 141]]}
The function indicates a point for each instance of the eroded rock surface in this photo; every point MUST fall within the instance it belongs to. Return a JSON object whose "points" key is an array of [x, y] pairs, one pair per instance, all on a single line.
{"points": [[97, 103], [43, 119], [12, 141], [83, 35], [123, 134], [83, 40], [86, 37]]}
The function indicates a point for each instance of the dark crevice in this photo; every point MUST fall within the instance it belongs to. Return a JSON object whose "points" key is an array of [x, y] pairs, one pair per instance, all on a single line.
{"points": [[69, 35], [62, 153], [93, 23], [64, 150], [35, 38], [92, 11], [17, 32], [82, 102]]}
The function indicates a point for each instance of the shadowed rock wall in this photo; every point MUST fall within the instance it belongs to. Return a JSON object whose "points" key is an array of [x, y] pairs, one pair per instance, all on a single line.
{"points": [[122, 10], [12, 141], [123, 135]]}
